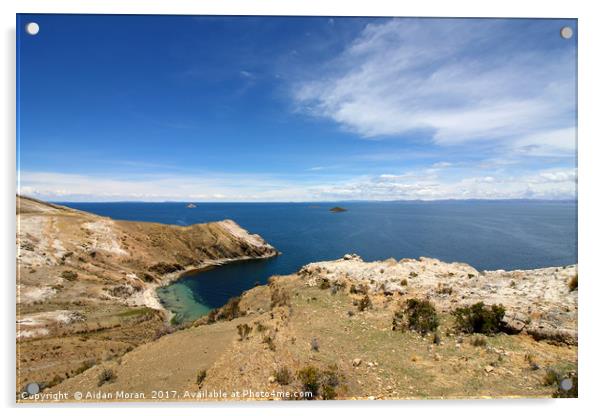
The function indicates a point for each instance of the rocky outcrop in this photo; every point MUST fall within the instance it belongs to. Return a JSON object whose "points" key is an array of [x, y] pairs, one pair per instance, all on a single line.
{"points": [[538, 302]]}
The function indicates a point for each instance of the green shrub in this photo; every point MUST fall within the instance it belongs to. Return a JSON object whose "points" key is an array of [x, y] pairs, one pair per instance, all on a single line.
{"points": [[309, 377], [175, 320], [530, 359], [573, 283], [321, 384], [269, 341], [200, 377], [360, 289], [165, 268], [283, 376], [279, 297], [418, 315], [147, 277], [212, 315], [550, 378], [105, 376], [260, 327], [444, 289], [336, 287], [324, 284], [328, 392], [364, 303], [69, 275], [479, 318], [230, 310], [479, 341], [404, 282], [330, 382], [243, 331]]}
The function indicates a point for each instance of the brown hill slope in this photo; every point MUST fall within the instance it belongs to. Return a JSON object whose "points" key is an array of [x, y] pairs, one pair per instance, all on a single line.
{"points": [[86, 284]]}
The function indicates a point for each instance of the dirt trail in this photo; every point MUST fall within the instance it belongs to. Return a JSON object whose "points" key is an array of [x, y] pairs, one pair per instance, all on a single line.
{"points": [[171, 363]]}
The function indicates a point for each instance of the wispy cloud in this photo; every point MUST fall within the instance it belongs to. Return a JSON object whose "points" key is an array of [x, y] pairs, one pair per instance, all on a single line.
{"points": [[247, 74], [459, 80], [426, 183], [216, 186]]}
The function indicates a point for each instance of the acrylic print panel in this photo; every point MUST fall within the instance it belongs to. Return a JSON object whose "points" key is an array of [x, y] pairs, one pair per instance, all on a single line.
{"points": [[295, 208]]}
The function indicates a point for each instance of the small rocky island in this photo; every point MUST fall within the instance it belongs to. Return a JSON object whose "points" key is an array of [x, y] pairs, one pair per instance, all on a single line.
{"points": [[191, 205], [337, 209]]}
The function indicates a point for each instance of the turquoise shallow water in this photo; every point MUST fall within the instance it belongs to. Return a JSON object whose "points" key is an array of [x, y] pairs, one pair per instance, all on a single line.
{"points": [[181, 301], [486, 234]]}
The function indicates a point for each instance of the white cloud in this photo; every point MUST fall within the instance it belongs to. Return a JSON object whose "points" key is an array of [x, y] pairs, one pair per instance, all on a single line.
{"points": [[548, 143], [208, 187], [547, 184], [450, 78], [425, 184], [568, 175], [441, 165]]}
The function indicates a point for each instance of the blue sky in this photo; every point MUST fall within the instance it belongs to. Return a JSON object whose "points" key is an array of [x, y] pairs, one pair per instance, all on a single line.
{"points": [[186, 108]]}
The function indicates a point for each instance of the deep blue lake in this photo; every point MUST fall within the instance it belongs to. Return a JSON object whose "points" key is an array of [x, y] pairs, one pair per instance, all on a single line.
{"points": [[486, 234]]}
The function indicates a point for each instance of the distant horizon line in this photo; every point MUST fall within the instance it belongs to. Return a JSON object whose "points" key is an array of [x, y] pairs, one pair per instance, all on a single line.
{"points": [[321, 202], [310, 201]]}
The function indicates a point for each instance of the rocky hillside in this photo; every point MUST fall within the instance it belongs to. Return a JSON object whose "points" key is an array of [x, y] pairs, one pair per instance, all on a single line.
{"points": [[86, 284], [349, 329], [538, 302]]}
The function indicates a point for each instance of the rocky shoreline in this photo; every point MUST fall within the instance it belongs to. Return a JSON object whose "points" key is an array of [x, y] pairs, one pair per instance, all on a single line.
{"points": [[151, 299]]}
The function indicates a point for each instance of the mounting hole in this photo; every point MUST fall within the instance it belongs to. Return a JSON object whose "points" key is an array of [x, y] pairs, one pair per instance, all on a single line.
{"points": [[566, 32], [32, 28], [32, 388], [566, 384]]}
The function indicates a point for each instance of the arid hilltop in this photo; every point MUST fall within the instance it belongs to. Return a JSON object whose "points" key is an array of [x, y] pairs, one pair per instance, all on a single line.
{"points": [[343, 329], [537, 302], [86, 284]]}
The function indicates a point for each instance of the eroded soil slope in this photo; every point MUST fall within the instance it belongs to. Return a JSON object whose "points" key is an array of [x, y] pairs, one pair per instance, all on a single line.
{"points": [[86, 284]]}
